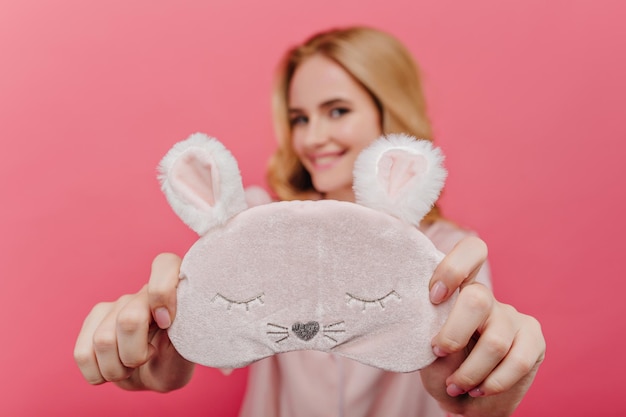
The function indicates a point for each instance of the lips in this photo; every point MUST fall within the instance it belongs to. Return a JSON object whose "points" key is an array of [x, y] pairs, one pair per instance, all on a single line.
{"points": [[326, 160]]}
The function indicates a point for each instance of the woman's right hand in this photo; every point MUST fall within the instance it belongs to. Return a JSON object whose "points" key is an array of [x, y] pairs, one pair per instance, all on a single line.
{"points": [[126, 341]]}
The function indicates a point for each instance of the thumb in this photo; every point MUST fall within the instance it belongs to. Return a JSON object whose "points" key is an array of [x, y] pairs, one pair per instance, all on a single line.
{"points": [[436, 376], [162, 286]]}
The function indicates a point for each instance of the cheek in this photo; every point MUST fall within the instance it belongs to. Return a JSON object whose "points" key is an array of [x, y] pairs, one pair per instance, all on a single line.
{"points": [[361, 130], [297, 146], [360, 135]]}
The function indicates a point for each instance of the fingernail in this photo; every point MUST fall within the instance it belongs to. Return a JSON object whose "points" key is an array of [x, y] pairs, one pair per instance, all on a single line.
{"points": [[438, 352], [162, 317], [438, 292], [476, 392], [454, 391]]}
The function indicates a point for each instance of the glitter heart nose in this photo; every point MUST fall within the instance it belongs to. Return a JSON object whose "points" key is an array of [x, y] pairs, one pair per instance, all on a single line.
{"points": [[306, 331]]}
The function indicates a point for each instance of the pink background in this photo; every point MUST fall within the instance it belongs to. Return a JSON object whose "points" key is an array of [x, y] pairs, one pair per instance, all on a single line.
{"points": [[527, 100]]}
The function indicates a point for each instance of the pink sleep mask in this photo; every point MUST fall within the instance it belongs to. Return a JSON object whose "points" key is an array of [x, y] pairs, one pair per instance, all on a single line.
{"points": [[333, 276]]}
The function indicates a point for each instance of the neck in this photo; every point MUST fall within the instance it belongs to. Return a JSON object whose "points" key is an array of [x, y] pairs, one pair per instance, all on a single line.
{"points": [[342, 195]]}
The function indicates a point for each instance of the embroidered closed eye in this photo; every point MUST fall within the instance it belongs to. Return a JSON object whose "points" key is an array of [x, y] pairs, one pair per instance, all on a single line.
{"points": [[365, 302], [245, 303]]}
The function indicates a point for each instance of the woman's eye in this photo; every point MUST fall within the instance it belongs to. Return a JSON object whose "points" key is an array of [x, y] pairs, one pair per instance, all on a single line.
{"points": [[229, 302], [365, 302], [298, 120], [338, 112]]}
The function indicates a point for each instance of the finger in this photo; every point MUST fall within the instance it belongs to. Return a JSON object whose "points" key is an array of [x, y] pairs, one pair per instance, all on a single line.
{"points": [[468, 315], [105, 345], [164, 279], [84, 354], [494, 343], [459, 267], [133, 326], [521, 362]]}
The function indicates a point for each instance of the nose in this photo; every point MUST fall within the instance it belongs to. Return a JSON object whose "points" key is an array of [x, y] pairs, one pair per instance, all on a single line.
{"points": [[306, 331], [316, 134]]}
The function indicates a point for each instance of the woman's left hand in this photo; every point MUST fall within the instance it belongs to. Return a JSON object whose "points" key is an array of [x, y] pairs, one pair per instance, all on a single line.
{"points": [[488, 352]]}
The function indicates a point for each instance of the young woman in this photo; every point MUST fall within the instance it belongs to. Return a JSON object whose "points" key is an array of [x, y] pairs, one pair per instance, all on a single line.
{"points": [[334, 95]]}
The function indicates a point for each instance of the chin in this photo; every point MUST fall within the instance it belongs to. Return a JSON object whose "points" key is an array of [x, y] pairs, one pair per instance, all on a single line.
{"points": [[334, 192]]}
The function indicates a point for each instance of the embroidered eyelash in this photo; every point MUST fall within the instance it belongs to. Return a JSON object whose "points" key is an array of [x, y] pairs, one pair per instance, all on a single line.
{"points": [[246, 303], [366, 302]]}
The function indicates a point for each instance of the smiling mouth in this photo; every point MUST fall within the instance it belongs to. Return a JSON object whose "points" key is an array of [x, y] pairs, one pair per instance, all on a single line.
{"points": [[326, 161]]}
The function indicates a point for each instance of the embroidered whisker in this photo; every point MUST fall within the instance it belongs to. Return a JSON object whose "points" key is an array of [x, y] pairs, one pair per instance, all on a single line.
{"points": [[332, 328], [282, 330], [276, 325], [334, 324]]}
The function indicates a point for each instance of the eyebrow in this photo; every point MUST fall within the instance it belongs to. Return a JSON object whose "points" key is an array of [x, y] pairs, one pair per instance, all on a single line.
{"points": [[325, 104]]}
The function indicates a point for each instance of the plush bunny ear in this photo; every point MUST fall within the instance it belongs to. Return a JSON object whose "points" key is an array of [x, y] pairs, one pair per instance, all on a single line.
{"points": [[399, 175], [201, 181]]}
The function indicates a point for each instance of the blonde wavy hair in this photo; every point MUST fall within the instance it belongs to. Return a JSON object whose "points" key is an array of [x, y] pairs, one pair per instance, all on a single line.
{"points": [[382, 65]]}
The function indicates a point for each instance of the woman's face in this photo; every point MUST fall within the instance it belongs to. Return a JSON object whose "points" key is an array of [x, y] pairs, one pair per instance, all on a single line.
{"points": [[333, 118]]}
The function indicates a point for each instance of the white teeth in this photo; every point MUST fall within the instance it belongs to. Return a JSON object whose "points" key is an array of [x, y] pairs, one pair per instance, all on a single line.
{"points": [[323, 160]]}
